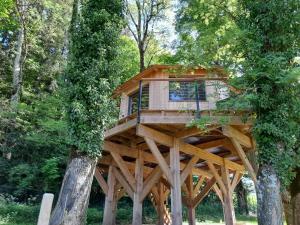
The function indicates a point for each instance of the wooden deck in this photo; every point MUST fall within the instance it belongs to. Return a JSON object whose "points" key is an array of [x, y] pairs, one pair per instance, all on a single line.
{"points": [[161, 156]]}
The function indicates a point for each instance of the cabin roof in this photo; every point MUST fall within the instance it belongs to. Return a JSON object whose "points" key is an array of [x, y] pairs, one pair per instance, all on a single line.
{"points": [[182, 70]]}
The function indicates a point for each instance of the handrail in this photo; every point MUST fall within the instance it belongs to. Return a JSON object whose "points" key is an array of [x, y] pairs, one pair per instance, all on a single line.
{"points": [[183, 79]]}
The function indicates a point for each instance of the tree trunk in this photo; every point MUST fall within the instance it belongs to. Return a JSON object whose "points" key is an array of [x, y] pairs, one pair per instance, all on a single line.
{"points": [[269, 204], [292, 201], [74, 195], [142, 58], [242, 202], [17, 67]]}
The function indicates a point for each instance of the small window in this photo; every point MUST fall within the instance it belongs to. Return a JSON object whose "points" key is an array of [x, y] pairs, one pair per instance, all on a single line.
{"points": [[134, 98], [185, 91]]}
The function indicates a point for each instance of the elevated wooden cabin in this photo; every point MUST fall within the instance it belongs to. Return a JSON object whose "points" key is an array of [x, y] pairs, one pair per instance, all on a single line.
{"points": [[152, 152]]}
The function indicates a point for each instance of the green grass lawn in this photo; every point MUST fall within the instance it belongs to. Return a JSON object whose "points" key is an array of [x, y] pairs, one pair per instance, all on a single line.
{"points": [[21, 214]]}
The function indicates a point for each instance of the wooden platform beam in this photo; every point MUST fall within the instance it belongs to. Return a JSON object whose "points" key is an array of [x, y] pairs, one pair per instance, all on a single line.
{"points": [[189, 149]]}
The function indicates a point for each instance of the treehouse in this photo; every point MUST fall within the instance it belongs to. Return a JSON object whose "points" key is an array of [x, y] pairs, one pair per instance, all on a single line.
{"points": [[155, 152]]}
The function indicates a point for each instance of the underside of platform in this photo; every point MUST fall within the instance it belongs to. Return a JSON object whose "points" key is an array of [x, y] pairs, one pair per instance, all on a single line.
{"points": [[158, 155]]}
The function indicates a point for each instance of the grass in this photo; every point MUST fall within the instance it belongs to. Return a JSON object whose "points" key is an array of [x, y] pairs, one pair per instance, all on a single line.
{"points": [[21, 214]]}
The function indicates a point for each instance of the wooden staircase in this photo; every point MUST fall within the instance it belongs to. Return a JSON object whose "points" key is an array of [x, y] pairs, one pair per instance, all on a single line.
{"points": [[166, 213]]}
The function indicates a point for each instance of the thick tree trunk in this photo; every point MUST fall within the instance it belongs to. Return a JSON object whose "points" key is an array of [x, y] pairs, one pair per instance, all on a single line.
{"points": [[241, 195], [269, 204], [75, 191]]}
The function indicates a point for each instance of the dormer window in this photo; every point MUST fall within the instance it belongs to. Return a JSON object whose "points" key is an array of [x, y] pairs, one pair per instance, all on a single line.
{"points": [[186, 91]]}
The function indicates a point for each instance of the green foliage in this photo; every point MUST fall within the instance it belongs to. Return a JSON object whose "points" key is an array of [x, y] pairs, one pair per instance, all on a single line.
{"points": [[12, 213], [257, 40], [92, 73]]}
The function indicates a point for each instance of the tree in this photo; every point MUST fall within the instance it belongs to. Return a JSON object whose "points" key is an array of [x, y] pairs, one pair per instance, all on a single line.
{"points": [[258, 40], [88, 82], [242, 202], [142, 19]]}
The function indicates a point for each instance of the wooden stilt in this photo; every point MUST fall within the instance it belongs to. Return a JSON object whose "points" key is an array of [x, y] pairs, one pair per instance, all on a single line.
{"points": [[229, 214], [191, 208], [176, 204], [137, 202], [110, 201]]}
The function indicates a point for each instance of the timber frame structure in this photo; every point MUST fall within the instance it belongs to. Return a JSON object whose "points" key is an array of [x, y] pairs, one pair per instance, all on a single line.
{"points": [[153, 153]]}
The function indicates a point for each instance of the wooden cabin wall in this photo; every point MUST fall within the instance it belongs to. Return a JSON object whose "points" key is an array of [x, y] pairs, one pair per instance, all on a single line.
{"points": [[159, 96]]}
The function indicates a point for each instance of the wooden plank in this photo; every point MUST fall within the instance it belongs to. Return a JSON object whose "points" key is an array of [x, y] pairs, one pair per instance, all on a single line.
{"points": [[127, 151], [160, 159], [123, 182], [157, 136], [101, 181], [120, 128], [108, 216], [176, 205], [217, 176], [204, 192], [244, 159], [123, 167], [137, 202], [229, 215], [188, 168], [231, 132], [192, 131]]}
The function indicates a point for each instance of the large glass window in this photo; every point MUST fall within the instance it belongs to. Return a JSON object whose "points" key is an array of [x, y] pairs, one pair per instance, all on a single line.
{"points": [[185, 91], [134, 98]]}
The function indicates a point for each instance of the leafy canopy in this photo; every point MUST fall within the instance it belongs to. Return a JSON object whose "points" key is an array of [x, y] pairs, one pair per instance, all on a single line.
{"points": [[258, 41]]}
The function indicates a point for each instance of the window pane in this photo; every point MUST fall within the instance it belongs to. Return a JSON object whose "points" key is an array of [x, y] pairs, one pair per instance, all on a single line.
{"points": [[134, 98], [185, 91]]}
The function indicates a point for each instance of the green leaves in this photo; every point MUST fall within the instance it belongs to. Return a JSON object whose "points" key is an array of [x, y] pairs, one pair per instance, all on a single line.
{"points": [[259, 41], [92, 73]]}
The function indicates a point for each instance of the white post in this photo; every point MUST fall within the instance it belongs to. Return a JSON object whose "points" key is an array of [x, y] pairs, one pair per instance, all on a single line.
{"points": [[45, 210]]}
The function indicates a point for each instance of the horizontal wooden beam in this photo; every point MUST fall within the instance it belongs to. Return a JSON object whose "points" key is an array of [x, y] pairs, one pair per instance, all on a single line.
{"points": [[120, 128], [155, 135]]}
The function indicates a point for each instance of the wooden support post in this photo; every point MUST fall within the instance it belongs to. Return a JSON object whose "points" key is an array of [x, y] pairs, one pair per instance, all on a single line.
{"points": [[229, 215], [191, 208], [109, 208], [137, 202], [176, 204]]}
